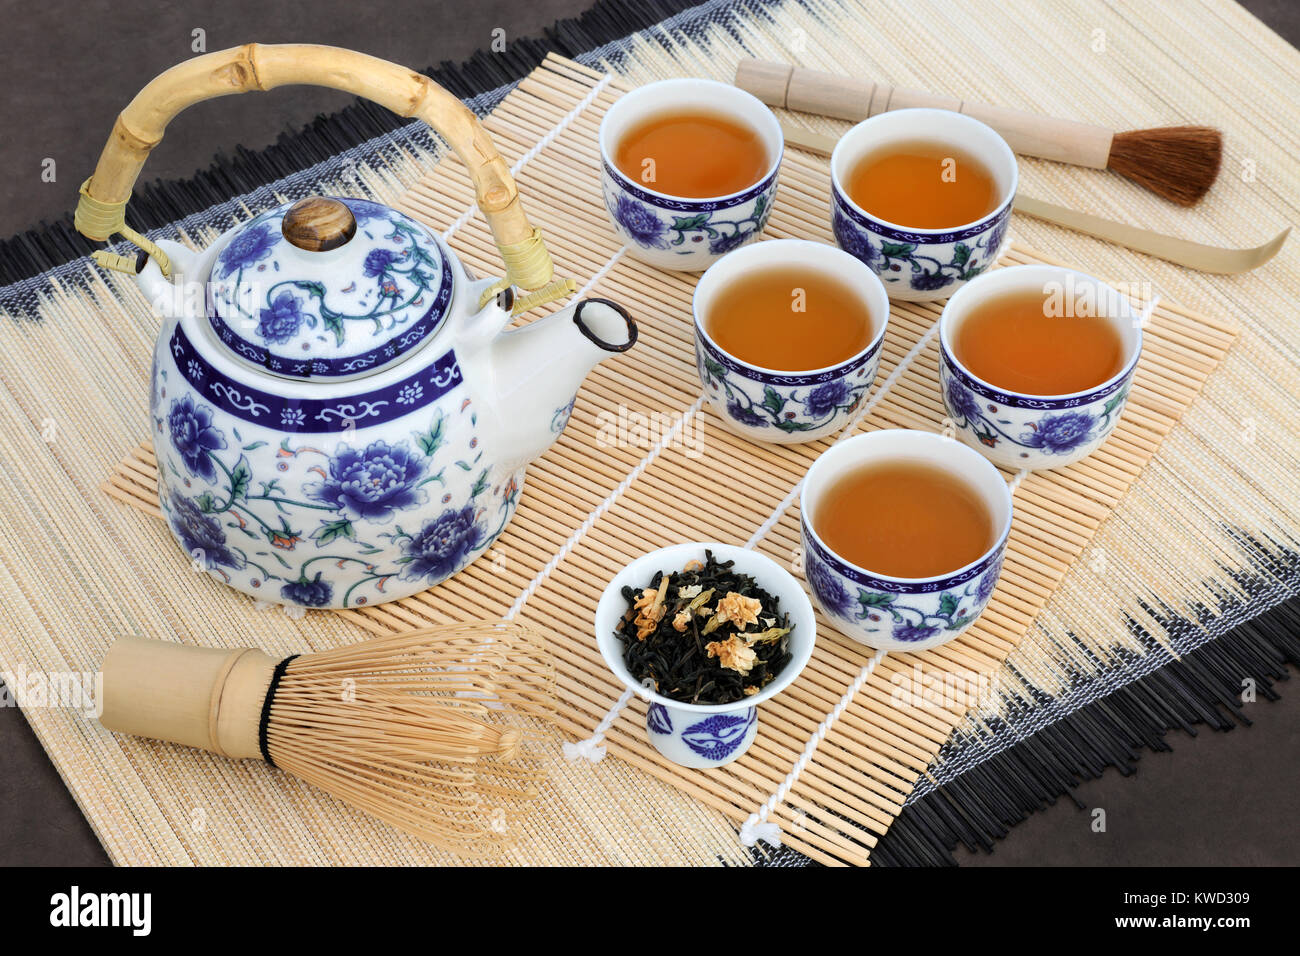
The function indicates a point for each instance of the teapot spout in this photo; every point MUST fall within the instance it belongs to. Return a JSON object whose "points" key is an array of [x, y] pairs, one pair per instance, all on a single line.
{"points": [[536, 371]]}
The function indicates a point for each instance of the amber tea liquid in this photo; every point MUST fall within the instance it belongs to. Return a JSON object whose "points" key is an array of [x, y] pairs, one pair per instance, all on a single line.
{"points": [[923, 185], [904, 519], [789, 319], [1014, 342], [693, 153]]}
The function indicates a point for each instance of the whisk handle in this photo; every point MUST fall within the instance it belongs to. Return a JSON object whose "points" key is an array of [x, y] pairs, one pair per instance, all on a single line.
{"points": [[210, 698]]}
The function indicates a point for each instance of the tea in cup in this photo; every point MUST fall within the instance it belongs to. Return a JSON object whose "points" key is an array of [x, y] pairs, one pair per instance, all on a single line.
{"points": [[787, 338], [690, 170], [923, 197], [903, 537], [1035, 364]]}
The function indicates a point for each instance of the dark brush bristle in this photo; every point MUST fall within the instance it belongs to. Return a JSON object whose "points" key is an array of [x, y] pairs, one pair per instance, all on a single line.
{"points": [[1179, 163]]}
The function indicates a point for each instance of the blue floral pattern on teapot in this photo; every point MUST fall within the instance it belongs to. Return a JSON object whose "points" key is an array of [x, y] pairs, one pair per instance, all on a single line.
{"points": [[348, 427], [274, 502], [272, 303]]}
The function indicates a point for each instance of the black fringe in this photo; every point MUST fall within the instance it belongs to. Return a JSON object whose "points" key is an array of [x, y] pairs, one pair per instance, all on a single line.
{"points": [[35, 251], [1202, 688]]}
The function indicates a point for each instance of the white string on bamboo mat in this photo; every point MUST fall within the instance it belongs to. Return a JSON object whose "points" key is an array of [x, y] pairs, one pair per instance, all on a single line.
{"points": [[564, 122], [756, 826], [592, 748]]}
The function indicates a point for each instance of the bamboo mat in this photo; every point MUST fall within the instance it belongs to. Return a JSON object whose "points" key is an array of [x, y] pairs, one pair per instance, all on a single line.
{"points": [[1206, 537], [1209, 535], [589, 506]]}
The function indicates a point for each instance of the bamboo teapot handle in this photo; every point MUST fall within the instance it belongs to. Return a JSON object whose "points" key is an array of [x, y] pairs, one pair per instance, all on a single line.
{"points": [[101, 211]]}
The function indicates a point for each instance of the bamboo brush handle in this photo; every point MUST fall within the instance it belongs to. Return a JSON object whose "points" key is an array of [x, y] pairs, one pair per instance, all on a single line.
{"points": [[811, 91], [254, 66], [210, 698]]}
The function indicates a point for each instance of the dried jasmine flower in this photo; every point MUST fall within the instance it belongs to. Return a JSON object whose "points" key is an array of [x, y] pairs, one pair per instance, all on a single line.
{"points": [[734, 609], [733, 653], [699, 604], [739, 610], [650, 610]]}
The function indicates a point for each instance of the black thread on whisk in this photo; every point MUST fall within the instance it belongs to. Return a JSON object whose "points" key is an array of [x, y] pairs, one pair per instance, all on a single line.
{"points": [[265, 720]]}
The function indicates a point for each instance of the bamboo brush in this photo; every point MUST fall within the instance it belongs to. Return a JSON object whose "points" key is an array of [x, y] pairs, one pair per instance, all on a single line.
{"points": [[1184, 252], [433, 730], [1179, 163]]}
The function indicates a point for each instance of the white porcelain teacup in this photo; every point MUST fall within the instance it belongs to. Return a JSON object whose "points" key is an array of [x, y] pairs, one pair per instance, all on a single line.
{"points": [[677, 232], [922, 264], [1019, 430], [781, 406], [892, 613]]}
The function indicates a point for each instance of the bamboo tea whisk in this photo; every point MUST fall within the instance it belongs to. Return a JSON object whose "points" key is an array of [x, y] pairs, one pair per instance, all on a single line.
{"points": [[433, 730], [1179, 163]]}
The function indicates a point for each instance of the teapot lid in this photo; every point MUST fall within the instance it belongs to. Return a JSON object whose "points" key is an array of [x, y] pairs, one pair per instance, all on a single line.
{"points": [[328, 288]]}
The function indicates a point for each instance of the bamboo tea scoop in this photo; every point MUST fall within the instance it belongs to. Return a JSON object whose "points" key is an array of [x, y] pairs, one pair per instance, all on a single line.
{"points": [[1179, 163], [1183, 252], [430, 730]]}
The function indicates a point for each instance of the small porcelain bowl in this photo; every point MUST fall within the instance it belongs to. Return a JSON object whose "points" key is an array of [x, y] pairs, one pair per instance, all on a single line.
{"points": [[699, 735], [787, 407], [920, 265], [902, 614], [675, 232], [1016, 430]]}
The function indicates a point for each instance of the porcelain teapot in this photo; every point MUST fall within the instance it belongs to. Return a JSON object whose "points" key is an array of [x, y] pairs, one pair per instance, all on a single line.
{"points": [[340, 415]]}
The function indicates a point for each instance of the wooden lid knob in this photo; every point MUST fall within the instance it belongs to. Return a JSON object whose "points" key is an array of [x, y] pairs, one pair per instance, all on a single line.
{"points": [[317, 224]]}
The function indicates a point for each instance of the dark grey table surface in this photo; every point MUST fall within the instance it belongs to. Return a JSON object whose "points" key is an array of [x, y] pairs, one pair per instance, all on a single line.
{"points": [[1217, 799]]}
